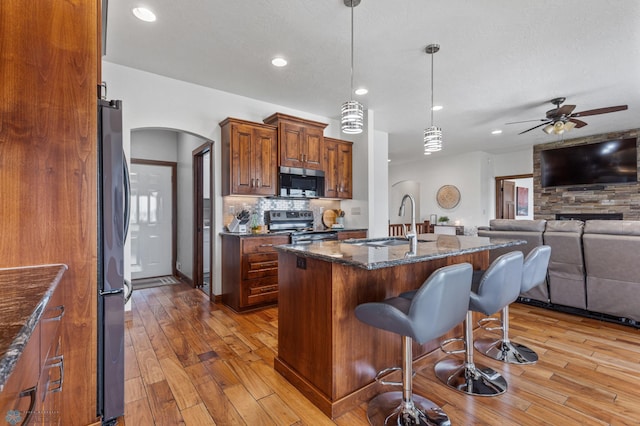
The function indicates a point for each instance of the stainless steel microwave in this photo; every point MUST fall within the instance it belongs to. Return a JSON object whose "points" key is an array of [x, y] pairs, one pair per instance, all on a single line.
{"points": [[297, 182]]}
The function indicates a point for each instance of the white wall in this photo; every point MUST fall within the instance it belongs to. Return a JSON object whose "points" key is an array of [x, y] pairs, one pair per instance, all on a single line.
{"points": [[154, 144], [465, 171], [154, 101]]}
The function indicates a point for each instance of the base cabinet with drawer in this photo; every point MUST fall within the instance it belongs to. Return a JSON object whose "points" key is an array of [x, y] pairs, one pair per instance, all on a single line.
{"points": [[250, 270], [33, 391]]}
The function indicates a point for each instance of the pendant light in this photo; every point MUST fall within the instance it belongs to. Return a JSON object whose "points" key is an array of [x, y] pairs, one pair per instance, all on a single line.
{"points": [[352, 111], [432, 134]]}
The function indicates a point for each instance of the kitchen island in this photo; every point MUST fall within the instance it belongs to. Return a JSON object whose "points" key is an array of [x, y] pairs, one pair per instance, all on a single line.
{"points": [[323, 350]]}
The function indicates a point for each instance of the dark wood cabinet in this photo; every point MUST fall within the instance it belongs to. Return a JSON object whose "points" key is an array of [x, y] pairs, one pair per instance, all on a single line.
{"points": [[300, 142], [338, 160], [33, 390], [250, 270], [345, 235], [249, 158]]}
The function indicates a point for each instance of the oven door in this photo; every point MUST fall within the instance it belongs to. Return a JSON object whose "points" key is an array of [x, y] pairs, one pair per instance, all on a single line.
{"points": [[311, 237]]}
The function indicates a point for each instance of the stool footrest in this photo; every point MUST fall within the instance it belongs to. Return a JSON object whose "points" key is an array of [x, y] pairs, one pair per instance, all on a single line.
{"points": [[386, 371], [484, 324], [451, 341]]}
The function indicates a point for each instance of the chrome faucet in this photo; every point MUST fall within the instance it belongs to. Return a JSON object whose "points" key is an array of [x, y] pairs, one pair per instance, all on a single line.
{"points": [[412, 235]]}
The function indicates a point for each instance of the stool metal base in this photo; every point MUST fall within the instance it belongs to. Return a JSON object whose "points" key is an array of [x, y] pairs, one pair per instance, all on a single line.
{"points": [[470, 378], [390, 409], [506, 351]]}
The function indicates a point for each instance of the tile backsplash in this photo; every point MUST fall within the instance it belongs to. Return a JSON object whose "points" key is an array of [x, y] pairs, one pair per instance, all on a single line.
{"points": [[234, 205]]}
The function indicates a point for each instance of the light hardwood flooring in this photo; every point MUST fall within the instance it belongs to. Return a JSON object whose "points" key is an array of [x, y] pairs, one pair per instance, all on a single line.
{"points": [[192, 362]]}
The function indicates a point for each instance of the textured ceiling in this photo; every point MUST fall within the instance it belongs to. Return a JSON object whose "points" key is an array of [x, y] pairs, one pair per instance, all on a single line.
{"points": [[500, 60]]}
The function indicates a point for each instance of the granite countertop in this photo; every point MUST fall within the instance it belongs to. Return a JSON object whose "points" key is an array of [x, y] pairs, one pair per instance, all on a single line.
{"points": [[430, 246], [25, 293]]}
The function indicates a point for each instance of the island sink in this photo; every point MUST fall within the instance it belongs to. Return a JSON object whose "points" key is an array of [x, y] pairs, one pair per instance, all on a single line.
{"points": [[381, 242]]}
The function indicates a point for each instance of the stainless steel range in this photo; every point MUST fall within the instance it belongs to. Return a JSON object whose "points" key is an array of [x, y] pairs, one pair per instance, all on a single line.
{"points": [[300, 223]]}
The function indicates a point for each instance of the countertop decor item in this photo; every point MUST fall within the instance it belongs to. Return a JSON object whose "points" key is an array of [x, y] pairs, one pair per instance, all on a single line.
{"points": [[448, 196]]}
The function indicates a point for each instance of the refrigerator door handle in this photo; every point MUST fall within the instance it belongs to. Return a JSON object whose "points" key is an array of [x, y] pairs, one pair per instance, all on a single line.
{"points": [[110, 292]]}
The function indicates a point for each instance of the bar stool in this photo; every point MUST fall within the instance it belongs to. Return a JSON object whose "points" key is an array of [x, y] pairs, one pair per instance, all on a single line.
{"points": [[498, 287], [534, 273], [439, 305]]}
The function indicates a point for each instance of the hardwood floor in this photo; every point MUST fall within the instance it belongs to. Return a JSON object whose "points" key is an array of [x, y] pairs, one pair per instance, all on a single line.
{"points": [[195, 363]]}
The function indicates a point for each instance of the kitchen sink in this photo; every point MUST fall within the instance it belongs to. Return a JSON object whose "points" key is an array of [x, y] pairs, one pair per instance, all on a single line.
{"points": [[381, 242]]}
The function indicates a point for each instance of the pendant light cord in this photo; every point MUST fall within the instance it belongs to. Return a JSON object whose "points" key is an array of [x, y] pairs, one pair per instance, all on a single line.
{"points": [[432, 89], [351, 93]]}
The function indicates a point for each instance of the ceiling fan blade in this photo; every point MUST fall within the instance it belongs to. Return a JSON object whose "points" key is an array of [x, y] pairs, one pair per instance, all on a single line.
{"points": [[535, 127], [578, 123], [527, 121], [600, 111], [565, 110]]}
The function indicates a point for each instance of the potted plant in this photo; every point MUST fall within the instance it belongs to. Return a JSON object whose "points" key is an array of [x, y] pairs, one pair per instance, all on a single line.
{"points": [[443, 220]]}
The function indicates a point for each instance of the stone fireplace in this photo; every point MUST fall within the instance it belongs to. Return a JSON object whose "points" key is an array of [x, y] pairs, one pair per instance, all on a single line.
{"points": [[589, 201]]}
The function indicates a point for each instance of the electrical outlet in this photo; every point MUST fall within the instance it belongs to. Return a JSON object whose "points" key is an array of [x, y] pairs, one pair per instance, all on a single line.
{"points": [[179, 266]]}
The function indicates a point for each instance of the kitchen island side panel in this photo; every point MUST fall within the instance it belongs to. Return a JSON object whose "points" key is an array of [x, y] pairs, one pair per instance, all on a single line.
{"points": [[323, 349]]}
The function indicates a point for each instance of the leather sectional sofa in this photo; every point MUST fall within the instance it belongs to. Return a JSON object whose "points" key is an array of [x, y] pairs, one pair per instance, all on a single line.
{"points": [[594, 268]]}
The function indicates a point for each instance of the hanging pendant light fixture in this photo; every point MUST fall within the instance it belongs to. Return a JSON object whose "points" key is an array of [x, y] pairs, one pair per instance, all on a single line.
{"points": [[432, 134], [352, 111]]}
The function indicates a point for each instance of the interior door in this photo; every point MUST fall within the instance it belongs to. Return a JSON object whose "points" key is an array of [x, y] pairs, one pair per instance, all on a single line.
{"points": [[151, 221], [508, 199]]}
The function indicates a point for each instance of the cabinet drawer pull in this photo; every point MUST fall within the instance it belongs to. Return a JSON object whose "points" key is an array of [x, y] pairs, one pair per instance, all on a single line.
{"points": [[58, 317], [258, 182], [266, 245], [31, 393], [56, 362]]}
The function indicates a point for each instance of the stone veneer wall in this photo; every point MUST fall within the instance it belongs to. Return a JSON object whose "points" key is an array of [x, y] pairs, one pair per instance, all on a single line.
{"points": [[614, 198]]}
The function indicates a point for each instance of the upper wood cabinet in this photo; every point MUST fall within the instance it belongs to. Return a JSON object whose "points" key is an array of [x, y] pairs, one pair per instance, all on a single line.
{"points": [[249, 158], [300, 142], [338, 157]]}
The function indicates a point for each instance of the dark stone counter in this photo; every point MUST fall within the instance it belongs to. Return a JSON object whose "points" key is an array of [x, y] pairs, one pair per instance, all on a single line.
{"points": [[430, 246]]}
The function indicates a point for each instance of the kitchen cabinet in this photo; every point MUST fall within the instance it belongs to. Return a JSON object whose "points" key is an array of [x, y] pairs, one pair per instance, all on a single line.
{"points": [[249, 158], [250, 270], [300, 141], [31, 378], [338, 158]]}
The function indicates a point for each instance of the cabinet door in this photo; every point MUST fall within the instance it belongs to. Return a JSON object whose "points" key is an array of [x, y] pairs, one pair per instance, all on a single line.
{"points": [[291, 140], [312, 148], [331, 169], [241, 166], [265, 157], [345, 170]]}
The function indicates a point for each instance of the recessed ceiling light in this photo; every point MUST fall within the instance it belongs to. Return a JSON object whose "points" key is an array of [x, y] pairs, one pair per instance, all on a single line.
{"points": [[144, 14], [279, 62], [496, 132], [361, 91], [437, 107]]}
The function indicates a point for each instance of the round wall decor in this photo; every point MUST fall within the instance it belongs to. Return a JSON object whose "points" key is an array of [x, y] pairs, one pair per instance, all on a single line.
{"points": [[448, 196]]}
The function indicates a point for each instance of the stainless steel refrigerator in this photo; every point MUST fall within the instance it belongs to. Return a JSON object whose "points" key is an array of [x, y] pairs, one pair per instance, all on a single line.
{"points": [[113, 201]]}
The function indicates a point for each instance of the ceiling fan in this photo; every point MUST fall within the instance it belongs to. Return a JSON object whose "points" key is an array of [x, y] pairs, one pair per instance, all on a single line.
{"points": [[562, 118]]}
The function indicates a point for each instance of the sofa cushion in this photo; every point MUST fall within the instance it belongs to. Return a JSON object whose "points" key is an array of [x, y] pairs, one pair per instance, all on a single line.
{"points": [[517, 225], [613, 227], [565, 226]]}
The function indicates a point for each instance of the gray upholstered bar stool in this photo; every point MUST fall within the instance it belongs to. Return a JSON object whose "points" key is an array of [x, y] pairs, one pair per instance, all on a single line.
{"points": [[498, 287], [439, 305], [534, 273]]}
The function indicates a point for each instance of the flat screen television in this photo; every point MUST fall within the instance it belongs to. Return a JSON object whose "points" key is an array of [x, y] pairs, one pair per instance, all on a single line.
{"points": [[614, 161]]}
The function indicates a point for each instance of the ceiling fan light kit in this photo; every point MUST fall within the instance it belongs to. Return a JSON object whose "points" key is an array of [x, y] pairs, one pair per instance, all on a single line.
{"points": [[562, 118], [432, 135], [352, 112]]}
